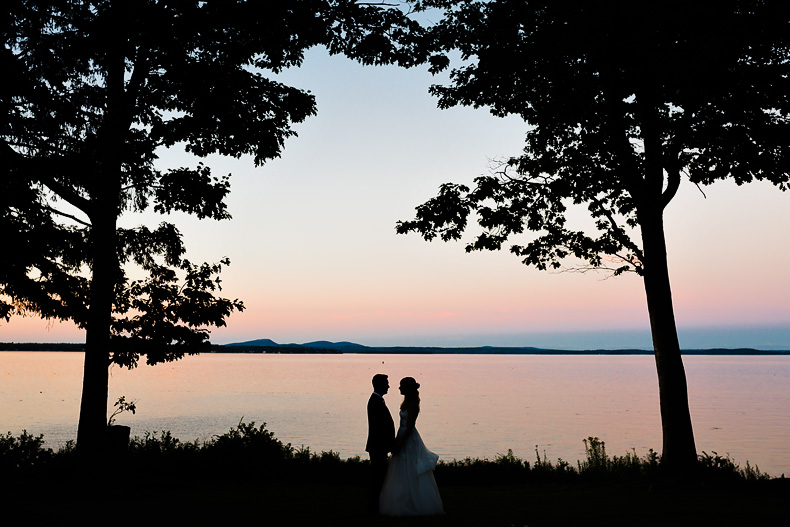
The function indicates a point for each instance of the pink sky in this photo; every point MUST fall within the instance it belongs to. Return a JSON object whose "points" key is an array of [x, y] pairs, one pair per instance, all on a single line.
{"points": [[315, 255]]}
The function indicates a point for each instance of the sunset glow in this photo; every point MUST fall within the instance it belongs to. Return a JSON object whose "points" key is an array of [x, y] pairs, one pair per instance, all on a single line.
{"points": [[315, 255]]}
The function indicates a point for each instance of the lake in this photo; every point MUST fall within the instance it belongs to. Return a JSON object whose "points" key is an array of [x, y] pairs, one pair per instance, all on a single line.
{"points": [[472, 405]]}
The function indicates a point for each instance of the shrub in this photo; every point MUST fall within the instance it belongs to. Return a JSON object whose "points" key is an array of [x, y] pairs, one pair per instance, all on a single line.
{"points": [[630, 466], [247, 452], [23, 453], [724, 469], [252, 452]]}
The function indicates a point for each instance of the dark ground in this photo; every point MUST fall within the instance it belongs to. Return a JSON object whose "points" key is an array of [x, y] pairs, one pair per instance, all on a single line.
{"points": [[194, 503]]}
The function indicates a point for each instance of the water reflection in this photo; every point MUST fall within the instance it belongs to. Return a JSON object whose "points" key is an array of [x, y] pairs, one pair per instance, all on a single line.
{"points": [[473, 405]]}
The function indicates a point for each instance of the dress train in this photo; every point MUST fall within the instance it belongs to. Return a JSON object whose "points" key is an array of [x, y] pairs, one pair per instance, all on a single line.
{"points": [[409, 487]]}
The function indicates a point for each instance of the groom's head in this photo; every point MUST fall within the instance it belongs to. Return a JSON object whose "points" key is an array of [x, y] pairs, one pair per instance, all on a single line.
{"points": [[381, 384]]}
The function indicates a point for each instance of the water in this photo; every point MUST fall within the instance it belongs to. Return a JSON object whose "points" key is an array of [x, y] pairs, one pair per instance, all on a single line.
{"points": [[472, 405]]}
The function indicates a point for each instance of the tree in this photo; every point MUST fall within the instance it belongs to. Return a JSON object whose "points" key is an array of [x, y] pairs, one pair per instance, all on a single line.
{"points": [[623, 102], [93, 91]]}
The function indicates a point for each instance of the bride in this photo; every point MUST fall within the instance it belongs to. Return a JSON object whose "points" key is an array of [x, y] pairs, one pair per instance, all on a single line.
{"points": [[409, 487]]}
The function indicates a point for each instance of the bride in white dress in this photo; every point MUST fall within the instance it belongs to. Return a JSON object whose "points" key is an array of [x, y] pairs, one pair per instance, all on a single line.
{"points": [[409, 488]]}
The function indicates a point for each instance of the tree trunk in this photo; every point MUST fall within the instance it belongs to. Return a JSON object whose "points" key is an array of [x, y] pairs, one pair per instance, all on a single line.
{"points": [[679, 454], [95, 379], [92, 428], [103, 213]]}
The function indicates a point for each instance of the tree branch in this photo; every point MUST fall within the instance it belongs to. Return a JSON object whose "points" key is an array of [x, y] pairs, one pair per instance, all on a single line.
{"points": [[622, 237], [673, 181], [74, 218], [41, 169]]}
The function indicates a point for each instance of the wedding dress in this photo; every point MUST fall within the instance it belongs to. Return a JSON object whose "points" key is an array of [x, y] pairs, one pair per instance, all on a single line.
{"points": [[409, 488]]}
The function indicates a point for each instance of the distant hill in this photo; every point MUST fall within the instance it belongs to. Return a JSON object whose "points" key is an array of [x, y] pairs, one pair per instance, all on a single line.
{"points": [[258, 342], [318, 345], [343, 346], [323, 346]]}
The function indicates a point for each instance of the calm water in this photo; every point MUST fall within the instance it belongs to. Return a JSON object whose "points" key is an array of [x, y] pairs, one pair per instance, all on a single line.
{"points": [[472, 405]]}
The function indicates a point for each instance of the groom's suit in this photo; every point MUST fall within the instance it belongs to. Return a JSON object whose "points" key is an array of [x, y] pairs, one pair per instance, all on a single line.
{"points": [[381, 439], [381, 428]]}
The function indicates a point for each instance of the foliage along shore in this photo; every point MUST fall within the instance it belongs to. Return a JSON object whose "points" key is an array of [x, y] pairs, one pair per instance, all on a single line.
{"points": [[358, 349], [250, 471], [258, 448]]}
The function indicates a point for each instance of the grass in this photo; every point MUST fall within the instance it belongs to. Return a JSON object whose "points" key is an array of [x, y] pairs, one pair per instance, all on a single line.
{"points": [[247, 475]]}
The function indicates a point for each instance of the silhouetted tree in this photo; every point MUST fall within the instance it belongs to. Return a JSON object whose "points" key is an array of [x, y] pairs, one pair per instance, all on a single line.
{"points": [[623, 101], [92, 92]]}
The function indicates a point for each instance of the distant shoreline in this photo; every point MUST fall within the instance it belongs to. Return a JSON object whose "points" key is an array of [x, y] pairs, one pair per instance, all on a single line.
{"points": [[403, 350]]}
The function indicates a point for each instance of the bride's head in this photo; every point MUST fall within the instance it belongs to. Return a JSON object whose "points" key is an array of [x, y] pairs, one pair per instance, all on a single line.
{"points": [[410, 390]]}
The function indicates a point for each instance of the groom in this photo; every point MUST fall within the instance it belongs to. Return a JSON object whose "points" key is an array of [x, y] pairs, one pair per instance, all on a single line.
{"points": [[381, 437]]}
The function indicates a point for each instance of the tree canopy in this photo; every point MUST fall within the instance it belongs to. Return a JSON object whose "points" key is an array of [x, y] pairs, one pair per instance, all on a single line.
{"points": [[603, 86], [94, 91], [98, 89], [622, 102]]}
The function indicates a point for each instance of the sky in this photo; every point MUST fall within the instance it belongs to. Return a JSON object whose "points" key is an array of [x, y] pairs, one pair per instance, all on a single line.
{"points": [[314, 253]]}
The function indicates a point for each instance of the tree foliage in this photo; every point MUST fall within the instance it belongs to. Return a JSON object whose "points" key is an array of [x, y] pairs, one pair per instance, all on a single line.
{"points": [[623, 101], [98, 89]]}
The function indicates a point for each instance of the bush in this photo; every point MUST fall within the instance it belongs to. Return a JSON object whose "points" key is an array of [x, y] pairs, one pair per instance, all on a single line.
{"points": [[630, 466], [722, 469], [247, 452], [253, 453], [23, 453]]}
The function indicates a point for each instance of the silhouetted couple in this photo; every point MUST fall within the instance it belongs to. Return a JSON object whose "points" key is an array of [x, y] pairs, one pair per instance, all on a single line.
{"points": [[403, 485]]}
